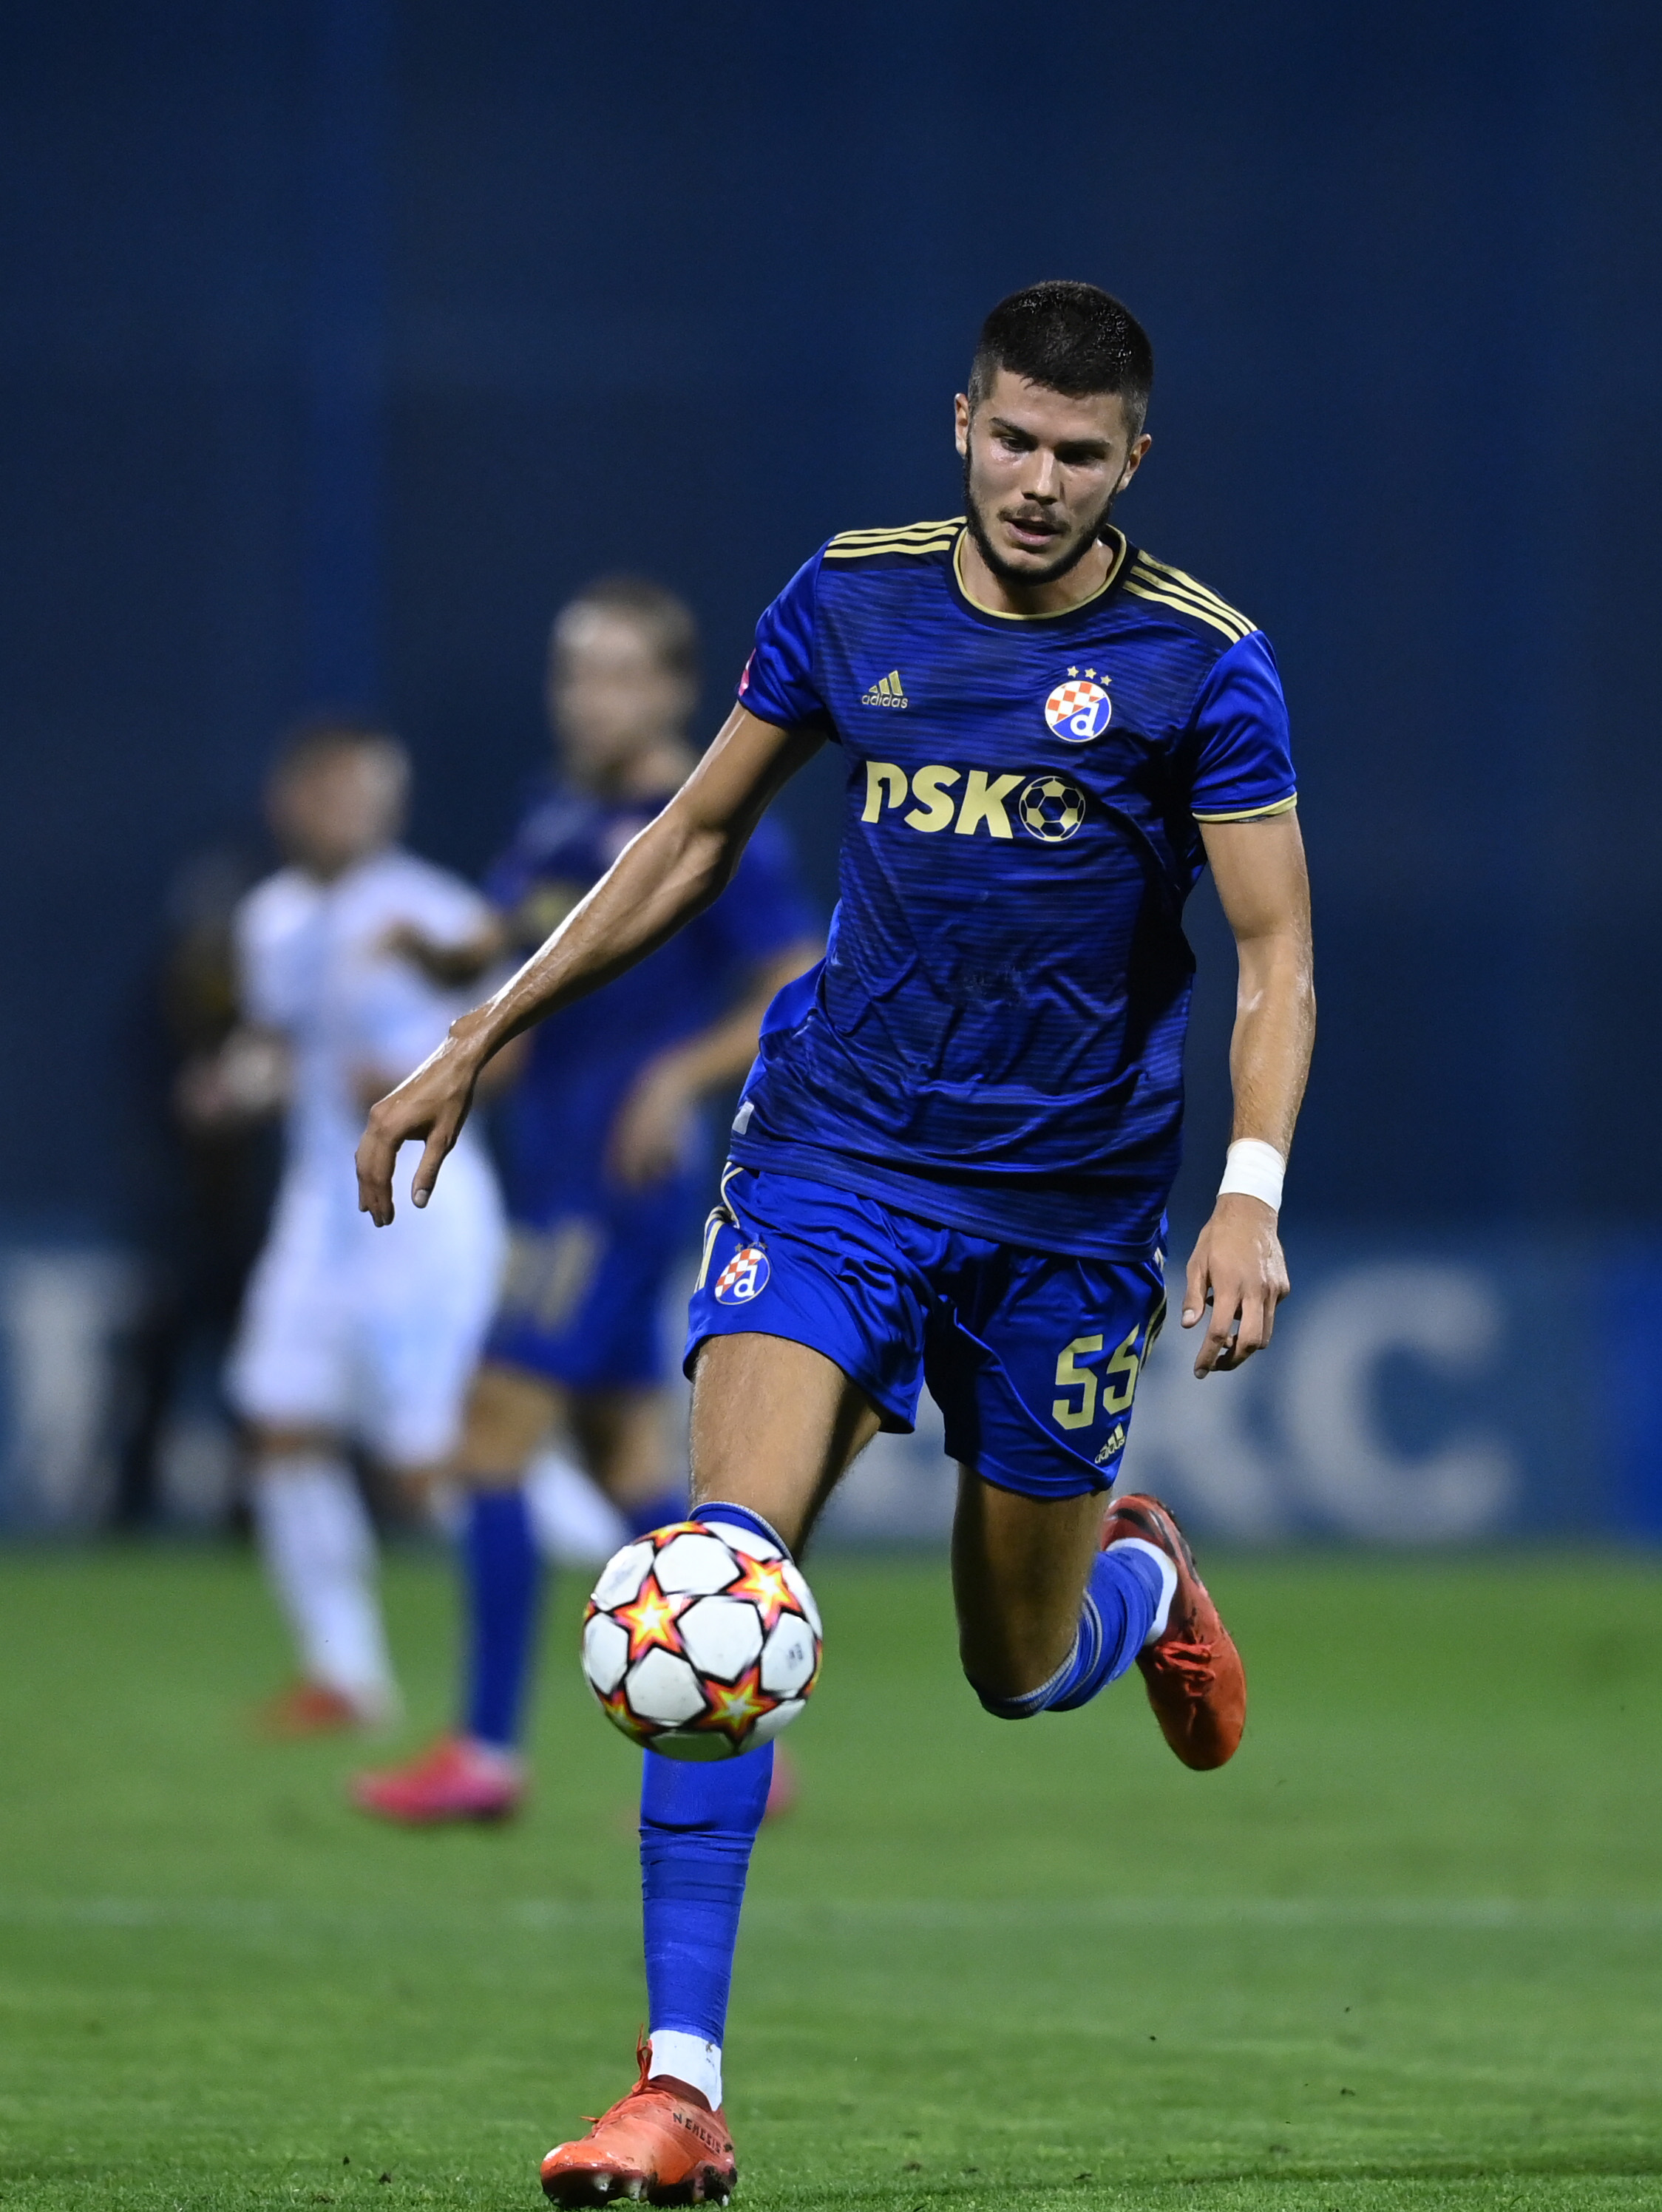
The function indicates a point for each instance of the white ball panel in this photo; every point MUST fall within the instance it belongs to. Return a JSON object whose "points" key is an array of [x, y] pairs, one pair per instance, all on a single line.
{"points": [[787, 1658], [771, 1723], [663, 1689], [605, 1653], [797, 1584], [696, 1563], [622, 1575], [722, 1636], [743, 1540]]}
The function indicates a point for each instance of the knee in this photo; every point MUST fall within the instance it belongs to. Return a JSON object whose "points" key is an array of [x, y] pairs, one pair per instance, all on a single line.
{"points": [[1005, 1705], [508, 1417]]}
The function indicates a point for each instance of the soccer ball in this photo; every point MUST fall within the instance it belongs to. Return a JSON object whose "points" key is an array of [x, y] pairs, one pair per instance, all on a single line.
{"points": [[1051, 807], [701, 1640]]}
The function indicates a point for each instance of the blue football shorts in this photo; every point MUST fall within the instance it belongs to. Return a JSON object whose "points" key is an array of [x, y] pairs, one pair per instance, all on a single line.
{"points": [[581, 1299], [1033, 1357]]}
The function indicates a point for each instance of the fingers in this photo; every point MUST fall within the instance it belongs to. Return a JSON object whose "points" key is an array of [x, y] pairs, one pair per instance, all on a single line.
{"points": [[435, 1153], [377, 1154], [1214, 1353], [1195, 1286]]}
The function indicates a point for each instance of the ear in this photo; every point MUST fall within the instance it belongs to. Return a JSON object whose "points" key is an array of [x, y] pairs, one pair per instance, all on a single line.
{"points": [[961, 423], [1133, 462]]}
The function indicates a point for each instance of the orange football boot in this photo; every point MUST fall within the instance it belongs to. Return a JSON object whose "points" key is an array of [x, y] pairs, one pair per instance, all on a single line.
{"points": [[1195, 1679], [661, 2144]]}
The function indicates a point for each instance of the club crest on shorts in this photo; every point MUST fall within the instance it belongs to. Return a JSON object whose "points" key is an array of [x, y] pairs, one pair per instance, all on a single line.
{"points": [[1079, 707], [744, 1277]]}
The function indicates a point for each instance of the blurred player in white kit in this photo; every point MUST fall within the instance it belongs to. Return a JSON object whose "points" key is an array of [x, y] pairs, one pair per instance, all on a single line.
{"points": [[347, 1338]]}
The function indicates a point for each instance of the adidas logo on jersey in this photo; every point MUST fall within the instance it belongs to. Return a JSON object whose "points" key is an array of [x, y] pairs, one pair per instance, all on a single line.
{"points": [[888, 691], [1115, 1443]]}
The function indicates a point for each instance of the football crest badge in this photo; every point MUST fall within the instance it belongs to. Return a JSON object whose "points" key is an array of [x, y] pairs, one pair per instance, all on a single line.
{"points": [[744, 1277], [1079, 707]]}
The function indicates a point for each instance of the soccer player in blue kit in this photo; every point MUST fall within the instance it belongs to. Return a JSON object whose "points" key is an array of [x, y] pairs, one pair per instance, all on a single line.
{"points": [[952, 1155], [603, 1151]]}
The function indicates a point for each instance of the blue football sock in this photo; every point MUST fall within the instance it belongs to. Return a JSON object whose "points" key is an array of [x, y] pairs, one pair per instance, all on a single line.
{"points": [[656, 1513], [739, 1516], [697, 1824], [1122, 1596], [503, 1574]]}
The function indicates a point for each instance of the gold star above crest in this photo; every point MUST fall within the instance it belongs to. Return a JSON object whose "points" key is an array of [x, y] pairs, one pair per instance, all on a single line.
{"points": [[1073, 672], [1091, 672]]}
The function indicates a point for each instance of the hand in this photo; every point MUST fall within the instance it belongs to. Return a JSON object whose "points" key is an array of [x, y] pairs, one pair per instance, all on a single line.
{"points": [[448, 965], [432, 1103], [246, 1080], [649, 1136], [1238, 1269]]}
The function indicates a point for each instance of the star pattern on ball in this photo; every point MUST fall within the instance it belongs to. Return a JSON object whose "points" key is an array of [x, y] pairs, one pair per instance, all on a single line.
{"points": [[735, 1709], [615, 1705], [650, 1620], [763, 1583]]}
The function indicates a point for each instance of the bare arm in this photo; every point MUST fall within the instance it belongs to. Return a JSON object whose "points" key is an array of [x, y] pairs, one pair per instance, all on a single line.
{"points": [[649, 1136], [1236, 1265], [680, 863]]}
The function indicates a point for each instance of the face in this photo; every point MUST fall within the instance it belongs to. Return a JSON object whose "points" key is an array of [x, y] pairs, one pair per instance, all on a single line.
{"points": [[609, 695], [1041, 472], [338, 807]]}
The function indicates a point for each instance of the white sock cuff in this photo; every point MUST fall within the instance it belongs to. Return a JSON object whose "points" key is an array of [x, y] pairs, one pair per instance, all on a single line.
{"points": [[1168, 1578], [690, 2059]]}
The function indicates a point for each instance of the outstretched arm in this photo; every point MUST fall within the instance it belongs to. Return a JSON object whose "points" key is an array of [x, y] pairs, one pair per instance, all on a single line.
{"points": [[649, 1136], [1237, 1265], [678, 864]]}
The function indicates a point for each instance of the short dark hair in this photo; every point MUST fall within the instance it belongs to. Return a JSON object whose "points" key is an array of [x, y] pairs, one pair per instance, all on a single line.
{"points": [[320, 736], [1072, 337], [667, 621]]}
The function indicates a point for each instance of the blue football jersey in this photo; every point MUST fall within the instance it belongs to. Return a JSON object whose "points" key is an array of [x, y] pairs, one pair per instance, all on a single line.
{"points": [[558, 1119], [995, 1038]]}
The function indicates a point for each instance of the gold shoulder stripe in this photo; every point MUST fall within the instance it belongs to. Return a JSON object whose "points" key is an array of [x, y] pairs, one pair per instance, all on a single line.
{"points": [[1178, 580], [839, 550], [900, 530], [1254, 813], [870, 545], [1159, 580], [1185, 606]]}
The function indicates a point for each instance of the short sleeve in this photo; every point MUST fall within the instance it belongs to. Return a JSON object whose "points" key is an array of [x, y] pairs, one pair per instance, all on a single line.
{"points": [[764, 910], [1242, 750], [263, 927], [777, 682]]}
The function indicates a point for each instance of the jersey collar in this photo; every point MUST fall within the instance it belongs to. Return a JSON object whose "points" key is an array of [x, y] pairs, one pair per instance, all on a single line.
{"points": [[1116, 569]]}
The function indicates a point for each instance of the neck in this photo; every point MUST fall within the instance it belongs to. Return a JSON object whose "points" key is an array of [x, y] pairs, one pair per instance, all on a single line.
{"points": [[663, 763], [331, 871], [988, 588]]}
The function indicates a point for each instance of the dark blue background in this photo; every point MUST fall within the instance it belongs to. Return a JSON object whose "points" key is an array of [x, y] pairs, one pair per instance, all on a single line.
{"points": [[339, 340]]}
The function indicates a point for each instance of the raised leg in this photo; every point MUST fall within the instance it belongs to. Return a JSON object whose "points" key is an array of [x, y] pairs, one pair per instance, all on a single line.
{"points": [[1045, 1616]]}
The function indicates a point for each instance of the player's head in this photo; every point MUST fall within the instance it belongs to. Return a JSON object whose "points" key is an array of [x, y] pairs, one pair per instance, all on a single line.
{"points": [[623, 674], [1050, 428], [336, 793]]}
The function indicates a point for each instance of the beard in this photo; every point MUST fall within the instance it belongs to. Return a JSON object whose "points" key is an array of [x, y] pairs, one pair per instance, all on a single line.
{"points": [[1073, 552]]}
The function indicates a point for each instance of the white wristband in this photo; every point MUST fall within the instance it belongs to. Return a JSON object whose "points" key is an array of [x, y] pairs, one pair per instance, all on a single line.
{"points": [[1255, 1170]]}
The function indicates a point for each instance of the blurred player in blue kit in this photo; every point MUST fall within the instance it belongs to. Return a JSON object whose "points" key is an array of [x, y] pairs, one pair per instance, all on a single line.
{"points": [[604, 1153], [952, 1155]]}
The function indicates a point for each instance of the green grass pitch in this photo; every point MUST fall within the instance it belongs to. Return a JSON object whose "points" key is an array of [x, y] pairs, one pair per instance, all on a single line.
{"points": [[1407, 1951]]}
